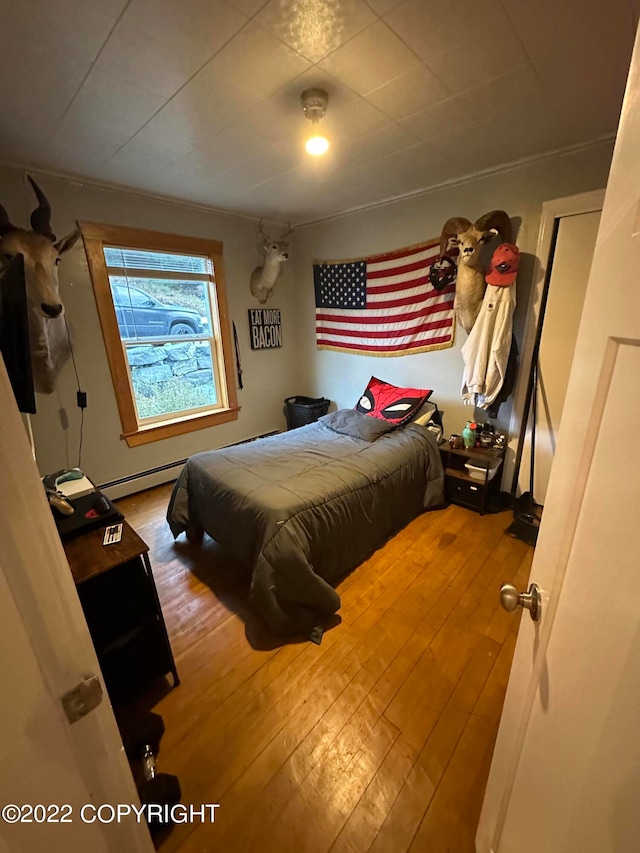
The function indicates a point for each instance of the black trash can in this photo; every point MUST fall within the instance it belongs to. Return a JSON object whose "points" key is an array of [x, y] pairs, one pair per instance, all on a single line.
{"points": [[304, 410]]}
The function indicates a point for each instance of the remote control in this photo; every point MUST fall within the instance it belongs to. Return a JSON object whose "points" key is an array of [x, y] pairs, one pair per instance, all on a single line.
{"points": [[112, 534]]}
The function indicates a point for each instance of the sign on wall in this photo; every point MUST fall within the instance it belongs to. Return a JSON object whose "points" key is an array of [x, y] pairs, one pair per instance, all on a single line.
{"points": [[265, 328]]}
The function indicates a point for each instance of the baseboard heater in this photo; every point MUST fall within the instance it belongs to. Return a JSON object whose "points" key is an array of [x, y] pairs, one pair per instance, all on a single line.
{"points": [[158, 475]]}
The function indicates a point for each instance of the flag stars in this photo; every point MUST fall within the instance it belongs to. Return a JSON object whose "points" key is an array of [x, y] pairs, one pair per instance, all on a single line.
{"points": [[342, 285]]}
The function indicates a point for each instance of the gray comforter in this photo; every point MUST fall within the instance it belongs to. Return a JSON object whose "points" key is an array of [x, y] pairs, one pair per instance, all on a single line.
{"points": [[303, 508]]}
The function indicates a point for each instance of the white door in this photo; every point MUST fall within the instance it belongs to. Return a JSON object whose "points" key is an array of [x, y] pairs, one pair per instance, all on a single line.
{"points": [[566, 769], [49, 769]]}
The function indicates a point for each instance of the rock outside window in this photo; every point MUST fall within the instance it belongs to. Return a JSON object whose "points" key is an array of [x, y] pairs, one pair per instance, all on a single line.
{"points": [[162, 307]]}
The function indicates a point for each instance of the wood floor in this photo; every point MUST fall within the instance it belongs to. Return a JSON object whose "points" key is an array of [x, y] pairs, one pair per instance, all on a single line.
{"points": [[380, 739]]}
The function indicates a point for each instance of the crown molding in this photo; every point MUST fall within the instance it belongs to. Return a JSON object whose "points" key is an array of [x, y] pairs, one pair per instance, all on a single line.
{"points": [[510, 166], [108, 186], [391, 200]]}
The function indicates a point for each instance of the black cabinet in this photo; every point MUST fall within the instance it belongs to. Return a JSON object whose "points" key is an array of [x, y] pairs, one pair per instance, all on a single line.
{"points": [[460, 487], [118, 595]]}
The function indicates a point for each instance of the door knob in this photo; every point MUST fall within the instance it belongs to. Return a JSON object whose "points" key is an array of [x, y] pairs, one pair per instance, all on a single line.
{"points": [[511, 599]]}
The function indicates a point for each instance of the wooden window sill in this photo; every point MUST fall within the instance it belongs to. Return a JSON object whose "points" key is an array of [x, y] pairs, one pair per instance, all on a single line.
{"points": [[180, 426]]}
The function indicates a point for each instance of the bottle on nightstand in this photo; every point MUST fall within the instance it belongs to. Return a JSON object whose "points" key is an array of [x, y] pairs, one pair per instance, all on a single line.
{"points": [[469, 434]]}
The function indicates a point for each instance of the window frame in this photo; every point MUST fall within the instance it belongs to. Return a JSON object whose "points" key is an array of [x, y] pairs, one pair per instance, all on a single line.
{"points": [[95, 237]]}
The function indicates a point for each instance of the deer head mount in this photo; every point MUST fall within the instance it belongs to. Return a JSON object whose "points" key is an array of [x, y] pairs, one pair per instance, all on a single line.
{"points": [[469, 238], [41, 252], [263, 278]]}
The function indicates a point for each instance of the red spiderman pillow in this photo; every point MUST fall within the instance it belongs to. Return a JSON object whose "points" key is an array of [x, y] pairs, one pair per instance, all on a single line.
{"points": [[391, 403]]}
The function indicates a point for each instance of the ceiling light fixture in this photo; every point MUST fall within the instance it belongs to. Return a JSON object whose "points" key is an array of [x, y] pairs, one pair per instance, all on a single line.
{"points": [[314, 104]]}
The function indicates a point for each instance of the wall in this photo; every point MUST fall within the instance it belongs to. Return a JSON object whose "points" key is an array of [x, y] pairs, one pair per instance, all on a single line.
{"points": [[296, 368], [520, 190], [269, 375]]}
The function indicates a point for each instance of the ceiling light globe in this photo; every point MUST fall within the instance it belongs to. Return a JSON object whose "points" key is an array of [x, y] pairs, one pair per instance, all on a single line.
{"points": [[317, 145]]}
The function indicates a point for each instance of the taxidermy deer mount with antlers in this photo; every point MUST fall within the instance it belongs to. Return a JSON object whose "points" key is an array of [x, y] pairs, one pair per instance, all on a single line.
{"points": [[469, 238], [48, 336], [263, 278]]}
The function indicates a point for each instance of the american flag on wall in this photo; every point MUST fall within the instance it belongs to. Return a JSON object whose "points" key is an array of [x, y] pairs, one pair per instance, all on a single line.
{"points": [[383, 305]]}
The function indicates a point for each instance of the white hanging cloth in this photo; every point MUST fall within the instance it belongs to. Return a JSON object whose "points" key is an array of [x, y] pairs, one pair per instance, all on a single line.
{"points": [[486, 350]]}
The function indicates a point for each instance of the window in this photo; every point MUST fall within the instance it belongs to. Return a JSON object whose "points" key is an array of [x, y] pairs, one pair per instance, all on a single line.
{"points": [[163, 311]]}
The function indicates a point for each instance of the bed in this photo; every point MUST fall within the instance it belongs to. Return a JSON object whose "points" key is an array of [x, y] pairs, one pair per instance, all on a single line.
{"points": [[301, 509]]}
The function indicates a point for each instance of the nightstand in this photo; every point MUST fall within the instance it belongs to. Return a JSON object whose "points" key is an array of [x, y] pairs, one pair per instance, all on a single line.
{"points": [[459, 486], [120, 602]]}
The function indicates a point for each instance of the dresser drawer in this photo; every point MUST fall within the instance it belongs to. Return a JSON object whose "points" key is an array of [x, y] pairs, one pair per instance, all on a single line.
{"points": [[464, 492]]}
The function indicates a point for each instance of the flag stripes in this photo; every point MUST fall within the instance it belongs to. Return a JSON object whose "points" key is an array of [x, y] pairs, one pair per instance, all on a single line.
{"points": [[384, 304]]}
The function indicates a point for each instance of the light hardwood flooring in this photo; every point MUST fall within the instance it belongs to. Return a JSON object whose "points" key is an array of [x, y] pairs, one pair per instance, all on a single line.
{"points": [[380, 739]]}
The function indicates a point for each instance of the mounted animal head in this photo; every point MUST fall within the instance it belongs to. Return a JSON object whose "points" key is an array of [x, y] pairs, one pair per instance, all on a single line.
{"points": [[41, 255], [263, 278], [469, 237], [48, 335]]}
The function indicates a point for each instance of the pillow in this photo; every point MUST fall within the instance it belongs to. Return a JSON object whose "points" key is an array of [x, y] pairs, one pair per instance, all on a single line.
{"points": [[425, 413], [390, 402], [350, 422]]}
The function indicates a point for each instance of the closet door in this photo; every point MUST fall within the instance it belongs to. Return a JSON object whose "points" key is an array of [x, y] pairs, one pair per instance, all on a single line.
{"points": [[567, 287]]}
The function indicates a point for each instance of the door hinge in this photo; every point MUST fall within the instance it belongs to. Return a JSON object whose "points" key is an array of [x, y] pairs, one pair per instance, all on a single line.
{"points": [[82, 699]]}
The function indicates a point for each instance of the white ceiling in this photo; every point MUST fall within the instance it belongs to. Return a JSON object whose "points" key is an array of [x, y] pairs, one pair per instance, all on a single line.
{"points": [[199, 99]]}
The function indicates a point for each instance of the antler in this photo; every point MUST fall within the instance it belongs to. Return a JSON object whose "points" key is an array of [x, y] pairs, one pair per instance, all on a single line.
{"points": [[261, 230], [5, 222], [496, 220], [41, 216], [452, 227], [287, 232]]}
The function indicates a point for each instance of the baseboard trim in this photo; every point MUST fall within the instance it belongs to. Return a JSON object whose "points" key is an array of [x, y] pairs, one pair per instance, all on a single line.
{"points": [[132, 483]]}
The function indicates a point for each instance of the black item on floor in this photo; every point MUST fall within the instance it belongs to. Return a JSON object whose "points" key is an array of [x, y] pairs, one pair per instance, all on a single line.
{"points": [[525, 526], [157, 789], [141, 734], [526, 519], [304, 410], [146, 728]]}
